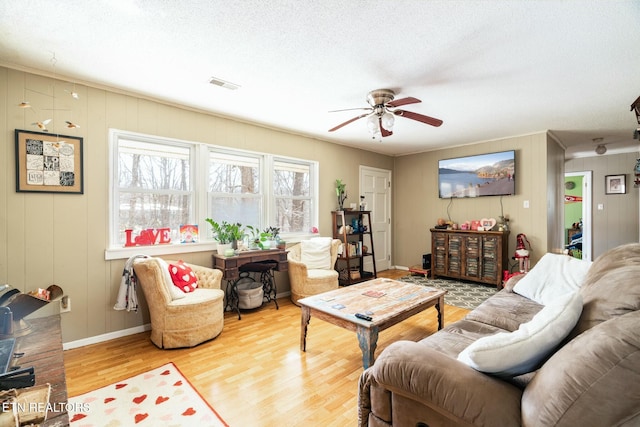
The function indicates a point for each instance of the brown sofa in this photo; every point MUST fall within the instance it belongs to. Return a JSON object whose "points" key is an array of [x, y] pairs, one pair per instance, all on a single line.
{"points": [[591, 379]]}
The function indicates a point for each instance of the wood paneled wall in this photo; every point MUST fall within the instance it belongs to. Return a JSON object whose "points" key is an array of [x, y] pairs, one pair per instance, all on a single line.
{"points": [[417, 206], [54, 238], [617, 222]]}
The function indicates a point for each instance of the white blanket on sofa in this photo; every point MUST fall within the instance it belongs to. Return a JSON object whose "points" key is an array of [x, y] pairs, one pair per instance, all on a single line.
{"points": [[554, 275]]}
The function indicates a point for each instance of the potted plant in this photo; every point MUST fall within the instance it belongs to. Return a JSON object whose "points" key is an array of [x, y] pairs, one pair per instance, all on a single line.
{"points": [[226, 234], [269, 237], [341, 192], [254, 237], [236, 233]]}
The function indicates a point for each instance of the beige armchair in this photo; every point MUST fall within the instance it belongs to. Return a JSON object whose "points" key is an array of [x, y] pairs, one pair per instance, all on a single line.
{"points": [[319, 275], [181, 319]]}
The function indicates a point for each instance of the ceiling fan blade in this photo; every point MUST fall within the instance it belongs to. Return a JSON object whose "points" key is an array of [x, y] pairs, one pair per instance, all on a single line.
{"points": [[419, 117], [383, 131], [352, 109], [348, 121], [403, 101]]}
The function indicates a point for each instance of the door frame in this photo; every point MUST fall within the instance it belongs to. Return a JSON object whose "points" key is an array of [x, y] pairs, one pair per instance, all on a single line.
{"points": [[587, 214]]}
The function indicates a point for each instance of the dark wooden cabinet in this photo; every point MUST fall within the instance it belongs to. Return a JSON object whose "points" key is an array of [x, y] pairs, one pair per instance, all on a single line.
{"points": [[478, 256], [41, 349], [353, 228]]}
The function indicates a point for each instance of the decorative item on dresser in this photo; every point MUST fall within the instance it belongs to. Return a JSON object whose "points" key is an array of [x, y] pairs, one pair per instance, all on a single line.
{"points": [[478, 256], [353, 228]]}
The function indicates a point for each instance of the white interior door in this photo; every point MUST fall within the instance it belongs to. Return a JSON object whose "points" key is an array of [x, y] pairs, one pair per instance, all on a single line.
{"points": [[375, 186]]}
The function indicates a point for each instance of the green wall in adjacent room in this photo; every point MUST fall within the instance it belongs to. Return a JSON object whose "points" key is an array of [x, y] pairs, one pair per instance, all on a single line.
{"points": [[572, 210]]}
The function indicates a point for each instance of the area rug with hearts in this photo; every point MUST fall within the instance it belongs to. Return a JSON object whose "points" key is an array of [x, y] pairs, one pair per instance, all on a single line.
{"points": [[162, 396]]}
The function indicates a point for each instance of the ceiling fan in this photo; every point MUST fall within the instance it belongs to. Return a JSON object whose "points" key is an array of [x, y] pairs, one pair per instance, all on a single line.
{"points": [[382, 111]]}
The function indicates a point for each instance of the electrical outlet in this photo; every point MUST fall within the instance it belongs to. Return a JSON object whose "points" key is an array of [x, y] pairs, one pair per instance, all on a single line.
{"points": [[525, 204], [65, 304]]}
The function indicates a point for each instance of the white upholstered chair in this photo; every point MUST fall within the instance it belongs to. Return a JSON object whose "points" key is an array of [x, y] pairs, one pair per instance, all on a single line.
{"points": [[311, 267], [181, 319]]}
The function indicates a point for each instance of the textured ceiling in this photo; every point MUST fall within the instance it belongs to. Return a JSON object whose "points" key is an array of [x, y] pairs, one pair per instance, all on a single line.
{"points": [[488, 69]]}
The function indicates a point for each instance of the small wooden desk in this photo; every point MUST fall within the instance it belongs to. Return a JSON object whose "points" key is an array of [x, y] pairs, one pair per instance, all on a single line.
{"points": [[42, 348], [392, 302], [230, 266]]}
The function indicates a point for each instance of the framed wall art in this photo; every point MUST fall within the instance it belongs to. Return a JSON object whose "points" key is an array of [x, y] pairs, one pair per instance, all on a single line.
{"points": [[615, 184], [48, 163]]}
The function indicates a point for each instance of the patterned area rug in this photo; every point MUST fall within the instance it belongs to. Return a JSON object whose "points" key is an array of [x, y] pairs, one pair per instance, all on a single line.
{"points": [[460, 294], [160, 397]]}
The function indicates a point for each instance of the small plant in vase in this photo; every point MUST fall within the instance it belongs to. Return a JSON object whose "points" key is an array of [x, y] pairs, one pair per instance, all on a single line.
{"points": [[236, 232], [269, 237], [254, 237], [341, 193], [226, 234]]}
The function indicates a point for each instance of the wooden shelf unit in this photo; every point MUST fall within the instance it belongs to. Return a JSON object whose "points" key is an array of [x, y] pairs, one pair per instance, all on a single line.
{"points": [[350, 263], [478, 256]]}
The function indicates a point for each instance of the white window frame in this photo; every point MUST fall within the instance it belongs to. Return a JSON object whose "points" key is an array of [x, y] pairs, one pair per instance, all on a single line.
{"points": [[313, 194], [199, 167]]}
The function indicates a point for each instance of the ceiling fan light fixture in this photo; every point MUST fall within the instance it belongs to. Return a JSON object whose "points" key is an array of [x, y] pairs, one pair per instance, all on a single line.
{"points": [[372, 124], [601, 149], [387, 121]]}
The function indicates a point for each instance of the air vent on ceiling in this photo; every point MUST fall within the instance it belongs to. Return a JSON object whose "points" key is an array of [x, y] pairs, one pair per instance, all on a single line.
{"points": [[223, 83]]}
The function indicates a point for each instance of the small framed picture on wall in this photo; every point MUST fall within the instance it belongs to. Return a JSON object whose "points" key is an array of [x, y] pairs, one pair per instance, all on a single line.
{"points": [[615, 184]]}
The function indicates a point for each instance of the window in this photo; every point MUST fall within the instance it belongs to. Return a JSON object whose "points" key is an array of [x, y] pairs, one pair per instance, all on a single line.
{"points": [[293, 190], [234, 189], [262, 190], [154, 186], [164, 183]]}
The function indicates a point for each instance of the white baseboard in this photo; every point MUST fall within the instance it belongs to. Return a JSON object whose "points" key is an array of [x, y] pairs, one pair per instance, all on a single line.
{"points": [[125, 332], [106, 337], [400, 267]]}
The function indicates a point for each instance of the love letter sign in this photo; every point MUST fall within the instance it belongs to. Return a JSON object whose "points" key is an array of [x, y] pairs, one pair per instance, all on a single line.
{"points": [[148, 237]]}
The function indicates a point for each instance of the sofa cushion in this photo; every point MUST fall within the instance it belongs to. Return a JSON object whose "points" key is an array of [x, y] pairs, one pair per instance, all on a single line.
{"points": [[552, 276], [183, 277], [593, 380], [315, 253], [510, 354], [505, 310], [611, 287], [174, 291], [455, 337]]}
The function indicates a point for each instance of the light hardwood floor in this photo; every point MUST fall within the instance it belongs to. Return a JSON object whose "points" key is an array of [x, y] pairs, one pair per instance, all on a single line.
{"points": [[254, 373]]}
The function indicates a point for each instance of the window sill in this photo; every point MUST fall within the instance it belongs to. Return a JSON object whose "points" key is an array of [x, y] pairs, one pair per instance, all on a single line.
{"points": [[155, 250]]}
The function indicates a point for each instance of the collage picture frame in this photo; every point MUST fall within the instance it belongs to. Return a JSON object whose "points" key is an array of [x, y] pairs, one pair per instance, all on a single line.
{"points": [[48, 163]]}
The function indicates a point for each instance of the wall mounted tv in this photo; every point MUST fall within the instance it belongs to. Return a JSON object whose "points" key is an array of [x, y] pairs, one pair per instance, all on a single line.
{"points": [[490, 174]]}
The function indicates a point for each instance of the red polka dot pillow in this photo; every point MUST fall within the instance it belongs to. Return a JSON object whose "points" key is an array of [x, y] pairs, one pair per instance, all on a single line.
{"points": [[183, 277]]}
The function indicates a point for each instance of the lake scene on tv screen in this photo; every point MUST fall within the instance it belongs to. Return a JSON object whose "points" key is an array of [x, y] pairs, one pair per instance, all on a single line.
{"points": [[490, 174]]}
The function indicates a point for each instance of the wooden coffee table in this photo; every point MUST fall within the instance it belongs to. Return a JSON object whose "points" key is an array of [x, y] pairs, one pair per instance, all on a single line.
{"points": [[387, 302]]}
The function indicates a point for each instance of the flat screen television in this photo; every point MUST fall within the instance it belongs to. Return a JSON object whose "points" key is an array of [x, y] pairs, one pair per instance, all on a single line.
{"points": [[490, 174]]}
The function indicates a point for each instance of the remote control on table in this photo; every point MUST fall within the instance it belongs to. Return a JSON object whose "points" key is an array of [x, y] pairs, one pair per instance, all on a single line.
{"points": [[364, 317]]}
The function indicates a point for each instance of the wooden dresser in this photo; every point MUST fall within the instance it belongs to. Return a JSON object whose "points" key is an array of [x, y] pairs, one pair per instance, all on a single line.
{"points": [[42, 348], [478, 256]]}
